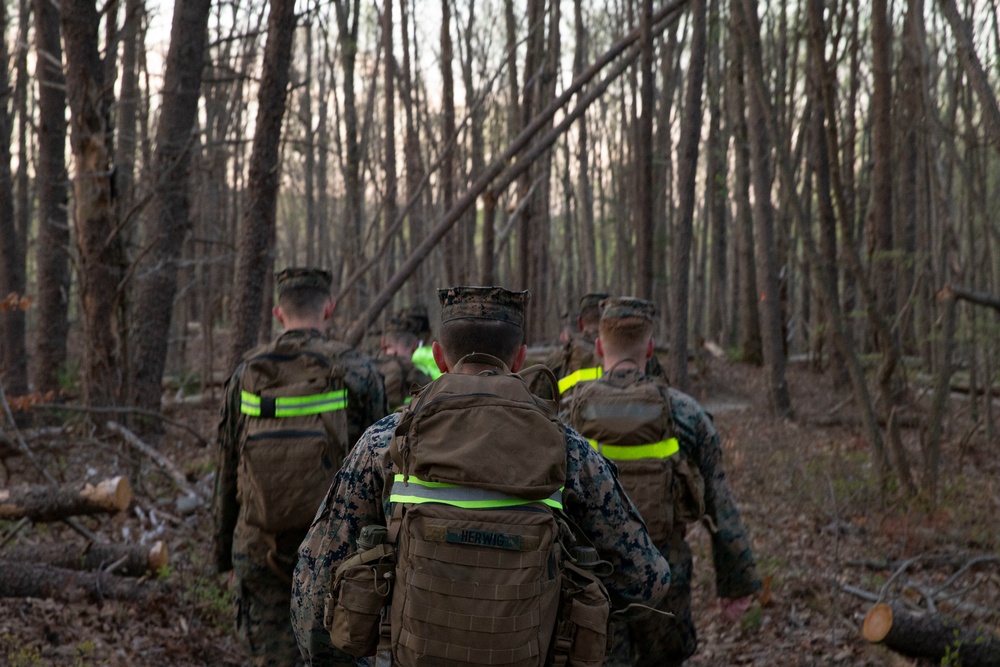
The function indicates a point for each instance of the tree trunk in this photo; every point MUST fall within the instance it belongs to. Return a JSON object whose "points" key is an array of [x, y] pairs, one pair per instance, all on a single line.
{"points": [[101, 257], [643, 217], [687, 158], [21, 580], [746, 297], [453, 254], [169, 220], [52, 256], [254, 263], [46, 503], [13, 356], [763, 215], [391, 208], [716, 190], [130, 560], [930, 636], [585, 188]]}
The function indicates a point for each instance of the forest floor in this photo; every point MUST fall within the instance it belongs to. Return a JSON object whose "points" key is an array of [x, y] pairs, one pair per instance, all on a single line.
{"points": [[806, 487]]}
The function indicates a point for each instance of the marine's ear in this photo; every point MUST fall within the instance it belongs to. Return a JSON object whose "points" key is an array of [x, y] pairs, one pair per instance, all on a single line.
{"points": [[518, 361], [439, 358]]}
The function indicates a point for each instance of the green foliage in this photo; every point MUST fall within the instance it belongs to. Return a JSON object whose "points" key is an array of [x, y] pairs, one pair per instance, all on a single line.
{"points": [[752, 620], [952, 657], [68, 376], [213, 600], [19, 654]]}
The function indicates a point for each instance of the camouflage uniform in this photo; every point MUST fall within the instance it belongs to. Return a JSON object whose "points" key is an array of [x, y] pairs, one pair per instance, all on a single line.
{"points": [[593, 499], [262, 595], [653, 640]]}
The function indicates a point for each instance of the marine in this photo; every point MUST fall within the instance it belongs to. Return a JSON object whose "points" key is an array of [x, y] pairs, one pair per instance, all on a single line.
{"points": [[395, 363], [591, 495], [262, 561], [674, 473]]}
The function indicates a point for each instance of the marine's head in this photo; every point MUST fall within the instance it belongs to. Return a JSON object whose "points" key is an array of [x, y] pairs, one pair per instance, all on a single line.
{"points": [[487, 320], [626, 330], [303, 297], [590, 311]]}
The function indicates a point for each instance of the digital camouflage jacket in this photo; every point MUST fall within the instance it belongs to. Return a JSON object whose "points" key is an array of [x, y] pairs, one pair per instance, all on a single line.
{"points": [[593, 499]]}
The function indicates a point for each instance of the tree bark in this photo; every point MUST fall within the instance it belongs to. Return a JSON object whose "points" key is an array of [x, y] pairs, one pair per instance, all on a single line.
{"points": [[169, 221], [930, 636], [643, 124], [13, 355], [687, 158], [129, 560], [20, 580], [254, 262], [585, 188], [47, 503], [716, 190], [101, 257], [50, 184], [763, 216]]}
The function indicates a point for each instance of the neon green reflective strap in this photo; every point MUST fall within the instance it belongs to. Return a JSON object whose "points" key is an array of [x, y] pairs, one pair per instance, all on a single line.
{"points": [[423, 358], [663, 449], [413, 490], [292, 406], [582, 375]]}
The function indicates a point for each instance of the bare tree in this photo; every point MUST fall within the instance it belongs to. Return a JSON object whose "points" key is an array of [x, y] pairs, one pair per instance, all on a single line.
{"points": [[687, 175], [169, 219], [254, 263], [100, 256]]}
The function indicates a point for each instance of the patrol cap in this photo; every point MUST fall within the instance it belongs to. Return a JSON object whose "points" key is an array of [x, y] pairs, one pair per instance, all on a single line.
{"points": [[627, 306], [400, 323], [419, 320], [483, 303], [303, 277], [592, 300]]}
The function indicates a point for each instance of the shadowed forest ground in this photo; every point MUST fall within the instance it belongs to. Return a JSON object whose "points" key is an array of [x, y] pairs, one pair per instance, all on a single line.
{"points": [[806, 488]]}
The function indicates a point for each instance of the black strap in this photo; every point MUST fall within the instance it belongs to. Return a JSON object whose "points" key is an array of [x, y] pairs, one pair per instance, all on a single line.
{"points": [[267, 407]]}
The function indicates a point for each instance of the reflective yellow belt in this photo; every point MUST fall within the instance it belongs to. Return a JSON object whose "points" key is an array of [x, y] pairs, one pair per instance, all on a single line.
{"points": [[663, 449], [582, 375], [291, 406], [413, 490]]}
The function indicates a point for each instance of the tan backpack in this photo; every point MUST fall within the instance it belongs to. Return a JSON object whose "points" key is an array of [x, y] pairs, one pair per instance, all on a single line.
{"points": [[484, 571], [293, 401], [393, 373], [631, 424]]}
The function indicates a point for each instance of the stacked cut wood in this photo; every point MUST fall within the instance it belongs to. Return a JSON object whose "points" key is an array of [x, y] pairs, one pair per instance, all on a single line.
{"points": [[930, 635], [67, 572]]}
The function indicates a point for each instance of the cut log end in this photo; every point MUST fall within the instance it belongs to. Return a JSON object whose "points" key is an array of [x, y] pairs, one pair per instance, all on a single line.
{"points": [[878, 622], [114, 494], [159, 556]]}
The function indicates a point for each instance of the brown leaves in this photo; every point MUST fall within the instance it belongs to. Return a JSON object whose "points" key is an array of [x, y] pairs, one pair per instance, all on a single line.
{"points": [[28, 401]]}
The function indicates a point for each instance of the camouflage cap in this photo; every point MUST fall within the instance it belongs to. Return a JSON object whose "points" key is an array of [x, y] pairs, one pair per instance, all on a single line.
{"points": [[297, 277], [420, 322], [483, 303], [592, 300], [402, 323], [627, 306]]}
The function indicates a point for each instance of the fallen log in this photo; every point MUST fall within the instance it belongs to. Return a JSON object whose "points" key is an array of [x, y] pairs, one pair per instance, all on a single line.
{"points": [[27, 580], [168, 466], [930, 636], [123, 559], [48, 503]]}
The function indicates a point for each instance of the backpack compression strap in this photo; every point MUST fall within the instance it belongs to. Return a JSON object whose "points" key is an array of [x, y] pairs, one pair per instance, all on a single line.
{"points": [[582, 375], [663, 449], [270, 407], [415, 491]]}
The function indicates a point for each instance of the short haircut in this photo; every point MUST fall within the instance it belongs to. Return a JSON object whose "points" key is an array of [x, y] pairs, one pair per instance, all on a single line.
{"points": [[590, 316], [302, 302], [625, 334], [462, 337]]}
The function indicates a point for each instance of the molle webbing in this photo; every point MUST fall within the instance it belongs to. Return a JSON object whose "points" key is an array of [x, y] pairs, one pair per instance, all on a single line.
{"points": [[663, 449], [271, 407], [582, 375], [466, 655], [419, 491]]}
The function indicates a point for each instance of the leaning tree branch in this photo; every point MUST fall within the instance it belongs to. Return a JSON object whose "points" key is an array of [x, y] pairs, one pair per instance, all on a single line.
{"points": [[663, 19], [978, 298]]}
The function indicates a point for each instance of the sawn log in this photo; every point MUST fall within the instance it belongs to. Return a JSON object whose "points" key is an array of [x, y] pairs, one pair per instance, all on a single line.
{"points": [[930, 636], [121, 559], [21, 580], [54, 503]]}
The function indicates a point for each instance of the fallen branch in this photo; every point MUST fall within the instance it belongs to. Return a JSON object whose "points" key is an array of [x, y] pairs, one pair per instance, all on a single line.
{"points": [[21, 580], [931, 636], [127, 560], [48, 503], [169, 467]]}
